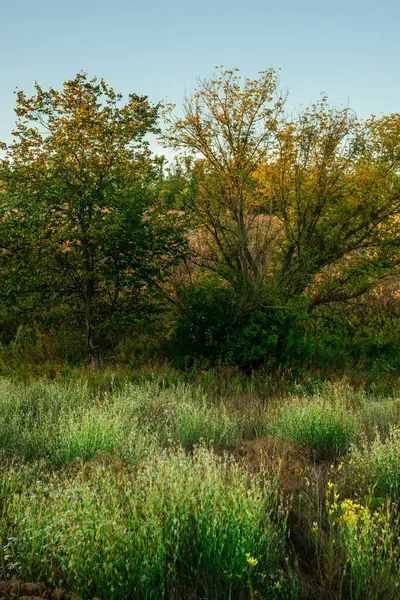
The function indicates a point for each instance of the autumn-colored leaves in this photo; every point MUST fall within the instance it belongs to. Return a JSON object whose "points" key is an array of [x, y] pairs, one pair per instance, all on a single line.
{"points": [[306, 205]]}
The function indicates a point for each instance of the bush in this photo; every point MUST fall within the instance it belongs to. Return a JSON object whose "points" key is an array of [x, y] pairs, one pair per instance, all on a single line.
{"points": [[350, 339], [276, 336], [205, 321], [181, 527], [215, 323], [324, 426], [377, 464]]}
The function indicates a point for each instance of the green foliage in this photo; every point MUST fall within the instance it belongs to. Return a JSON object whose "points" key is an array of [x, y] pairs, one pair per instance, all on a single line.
{"points": [[311, 202], [324, 426], [361, 537], [32, 345], [205, 321], [96, 237], [215, 322], [377, 464], [279, 220], [204, 528], [368, 336], [276, 335]]}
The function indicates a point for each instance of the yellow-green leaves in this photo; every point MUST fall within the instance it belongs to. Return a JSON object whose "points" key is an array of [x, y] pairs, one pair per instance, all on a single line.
{"points": [[309, 202]]}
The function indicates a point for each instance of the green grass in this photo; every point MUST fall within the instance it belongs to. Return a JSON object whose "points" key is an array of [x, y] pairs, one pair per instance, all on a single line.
{"points": [[130, 489], [376, 464], [64, 421], [187, 526], [322, 425]]}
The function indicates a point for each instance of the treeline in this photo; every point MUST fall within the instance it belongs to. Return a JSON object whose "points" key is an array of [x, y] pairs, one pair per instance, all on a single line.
{"points": [[271, 238]]}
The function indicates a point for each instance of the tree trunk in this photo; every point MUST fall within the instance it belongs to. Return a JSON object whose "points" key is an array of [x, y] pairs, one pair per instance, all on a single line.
{"points": [[93, 349], [94, 352], [246, 260]]}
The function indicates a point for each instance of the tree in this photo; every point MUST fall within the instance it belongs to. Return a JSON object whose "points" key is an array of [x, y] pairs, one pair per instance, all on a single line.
{"points": [[81, 223], [290, 207], [229, 124], [336, 198]]}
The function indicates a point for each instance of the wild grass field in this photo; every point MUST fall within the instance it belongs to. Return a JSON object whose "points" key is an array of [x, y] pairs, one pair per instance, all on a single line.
{"points": [[200, 349], [165, 489]]}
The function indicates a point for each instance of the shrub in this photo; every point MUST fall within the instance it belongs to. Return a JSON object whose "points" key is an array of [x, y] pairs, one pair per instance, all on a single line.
{"points": [[217, 324], [377, 464], [325, 427], [359, 553], [181, 527], [205, 321]]}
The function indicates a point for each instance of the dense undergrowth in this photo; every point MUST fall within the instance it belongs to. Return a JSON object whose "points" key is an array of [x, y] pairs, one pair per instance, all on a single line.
{"points": [[168, 489]]}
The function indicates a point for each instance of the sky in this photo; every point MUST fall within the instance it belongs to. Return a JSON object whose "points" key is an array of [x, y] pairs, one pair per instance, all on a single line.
{"points": [[349, 50]]}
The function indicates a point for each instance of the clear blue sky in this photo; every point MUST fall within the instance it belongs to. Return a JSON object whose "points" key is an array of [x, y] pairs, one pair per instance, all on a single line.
{"points": [[349, 50]]}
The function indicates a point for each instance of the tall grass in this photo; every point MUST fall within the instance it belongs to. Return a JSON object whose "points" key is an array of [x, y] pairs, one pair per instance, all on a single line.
{"points": [[180, 527], [129, 489], [376, 464], [64, 421], [326, 427]]}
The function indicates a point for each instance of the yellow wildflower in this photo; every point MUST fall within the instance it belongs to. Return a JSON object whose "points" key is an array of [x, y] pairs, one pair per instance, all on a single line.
{"points": [[251, 561]]}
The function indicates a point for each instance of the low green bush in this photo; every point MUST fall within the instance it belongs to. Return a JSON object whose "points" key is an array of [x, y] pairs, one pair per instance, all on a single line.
{"points": [[216, 324], [358, 553], [324, 426], [180, 527], [377, 464]]}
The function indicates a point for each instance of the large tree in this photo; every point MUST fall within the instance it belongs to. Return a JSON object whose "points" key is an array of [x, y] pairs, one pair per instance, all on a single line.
{"points": [[336, 198], [304, 205], [229, 125], [81, 223]]}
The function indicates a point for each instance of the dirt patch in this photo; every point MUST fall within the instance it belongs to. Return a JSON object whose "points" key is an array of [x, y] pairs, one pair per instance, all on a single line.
{"points": [[290, 463], [21, 590], [110, 461]]}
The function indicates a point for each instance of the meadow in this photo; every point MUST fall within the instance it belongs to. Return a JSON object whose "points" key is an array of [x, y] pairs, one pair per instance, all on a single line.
{"points": [[199, 351], [117, 489]]}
